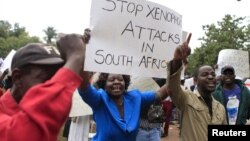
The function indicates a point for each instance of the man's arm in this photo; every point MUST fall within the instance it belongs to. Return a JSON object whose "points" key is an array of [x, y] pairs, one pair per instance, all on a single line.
{"points": [[85, 74], [180, 56], [72, 49], [174, 68]]}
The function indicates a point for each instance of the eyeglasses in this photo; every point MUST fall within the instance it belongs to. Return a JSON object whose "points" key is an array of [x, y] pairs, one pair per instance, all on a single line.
{"points": [[228, 73]]}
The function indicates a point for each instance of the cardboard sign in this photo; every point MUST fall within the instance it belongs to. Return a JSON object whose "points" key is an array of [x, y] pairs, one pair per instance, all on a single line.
{"points": [[79, 107], [7, 61], [236, 58], [134, 37], [143, 84]]}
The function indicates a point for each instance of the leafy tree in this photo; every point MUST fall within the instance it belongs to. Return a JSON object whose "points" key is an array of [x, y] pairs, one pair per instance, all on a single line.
{"points": [[18, 31], [230, 33], [50, 34], [13, 38], [5, 27]]}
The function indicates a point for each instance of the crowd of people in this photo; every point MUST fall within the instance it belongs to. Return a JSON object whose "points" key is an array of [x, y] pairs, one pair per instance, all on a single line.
{"points": [[36, 103]]}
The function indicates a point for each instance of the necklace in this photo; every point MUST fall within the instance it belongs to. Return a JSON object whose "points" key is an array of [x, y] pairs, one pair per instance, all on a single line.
{"points": [[121, 103]]}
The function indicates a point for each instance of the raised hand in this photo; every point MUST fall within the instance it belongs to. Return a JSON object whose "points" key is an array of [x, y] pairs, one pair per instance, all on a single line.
{"points": [[183, 51], [72, 49], [71, 45]]}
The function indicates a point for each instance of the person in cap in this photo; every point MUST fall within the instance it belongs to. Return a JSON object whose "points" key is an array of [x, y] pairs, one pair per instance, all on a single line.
{"points": [[198, 108], [234, 95], [39, 102]]}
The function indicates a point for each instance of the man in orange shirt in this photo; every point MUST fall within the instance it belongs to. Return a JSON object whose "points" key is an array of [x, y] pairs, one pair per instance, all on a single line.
{"points": [[39, 101]]}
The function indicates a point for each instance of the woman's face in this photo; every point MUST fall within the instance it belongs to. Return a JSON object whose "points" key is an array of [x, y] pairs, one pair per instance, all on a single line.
{"points": [[115, 85]]}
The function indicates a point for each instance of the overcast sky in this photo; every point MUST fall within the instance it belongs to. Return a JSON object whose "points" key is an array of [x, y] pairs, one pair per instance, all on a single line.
{"points": [[72, 16]]}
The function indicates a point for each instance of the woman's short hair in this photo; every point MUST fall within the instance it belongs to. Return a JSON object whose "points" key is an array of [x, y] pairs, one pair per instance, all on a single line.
{"points": [[102, 79]]}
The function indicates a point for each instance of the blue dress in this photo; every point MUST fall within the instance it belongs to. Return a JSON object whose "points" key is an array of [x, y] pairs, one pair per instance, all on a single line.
{"points": [[109, 125]]}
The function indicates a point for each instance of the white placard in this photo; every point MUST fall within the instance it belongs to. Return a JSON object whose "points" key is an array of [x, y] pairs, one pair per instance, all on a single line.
{"points": [[79, 107], [236, 58], [134, 37], [7, 61], [143, 84], [184, 35]]}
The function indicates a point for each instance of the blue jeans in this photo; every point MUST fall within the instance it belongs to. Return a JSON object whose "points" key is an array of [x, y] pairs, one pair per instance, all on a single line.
{"points": [[149, 135]]}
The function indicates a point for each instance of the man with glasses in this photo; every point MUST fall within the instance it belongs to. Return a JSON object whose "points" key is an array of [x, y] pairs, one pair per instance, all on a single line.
{"points": [[234, 96]]}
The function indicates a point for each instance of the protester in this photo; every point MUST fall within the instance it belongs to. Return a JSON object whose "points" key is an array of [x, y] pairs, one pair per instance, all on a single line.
{"points": [[198, 108], [148, 131], [38, 104], [234, 95], [168, 107], [116, 111]]}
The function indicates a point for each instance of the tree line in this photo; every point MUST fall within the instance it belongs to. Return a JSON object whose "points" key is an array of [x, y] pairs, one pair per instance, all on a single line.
{"points": [[16, 36]]}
